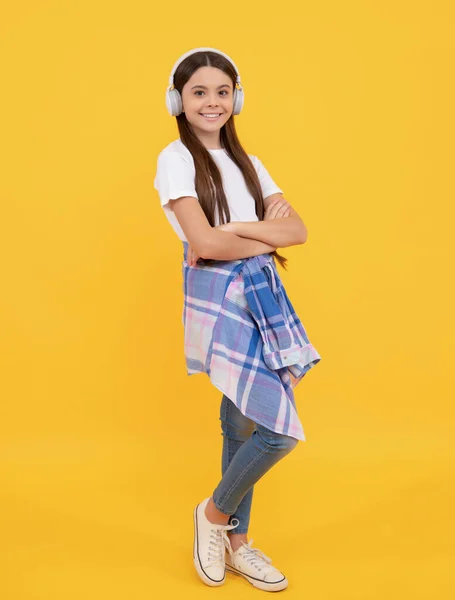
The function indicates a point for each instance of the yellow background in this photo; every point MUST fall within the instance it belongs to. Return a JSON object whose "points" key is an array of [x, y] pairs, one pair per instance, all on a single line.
{"points": [[106, 443]]}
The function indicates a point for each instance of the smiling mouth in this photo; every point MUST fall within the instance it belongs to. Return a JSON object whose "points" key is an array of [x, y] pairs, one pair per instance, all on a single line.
{"points": [[211, 118]]}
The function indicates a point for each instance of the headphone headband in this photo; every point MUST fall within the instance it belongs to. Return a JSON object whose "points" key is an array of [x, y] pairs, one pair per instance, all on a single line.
{"points": [[193, 51]]}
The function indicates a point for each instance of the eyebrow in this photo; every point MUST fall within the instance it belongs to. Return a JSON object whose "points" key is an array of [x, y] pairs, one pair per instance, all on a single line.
{"points": [[205, 88]]}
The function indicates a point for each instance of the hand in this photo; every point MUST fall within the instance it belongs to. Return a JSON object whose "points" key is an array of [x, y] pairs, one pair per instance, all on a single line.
{"points": [[192, 257], [278, 209]]}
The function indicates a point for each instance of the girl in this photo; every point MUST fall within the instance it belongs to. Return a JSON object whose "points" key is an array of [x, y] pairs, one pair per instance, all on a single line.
{"points": [[239, 325]]}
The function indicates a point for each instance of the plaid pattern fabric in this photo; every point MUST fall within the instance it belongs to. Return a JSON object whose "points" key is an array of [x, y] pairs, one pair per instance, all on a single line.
{"points": [[241, 329]]}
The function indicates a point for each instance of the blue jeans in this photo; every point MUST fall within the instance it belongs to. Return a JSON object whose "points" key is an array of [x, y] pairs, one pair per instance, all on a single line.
{"points": [[249, 451]]}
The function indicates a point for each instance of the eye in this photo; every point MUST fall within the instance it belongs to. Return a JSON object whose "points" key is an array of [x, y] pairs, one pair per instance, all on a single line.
{"points": [[201, 91]]}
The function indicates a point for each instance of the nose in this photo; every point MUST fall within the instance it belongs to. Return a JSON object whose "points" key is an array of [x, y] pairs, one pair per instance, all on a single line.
{"points": [[213, 102]]}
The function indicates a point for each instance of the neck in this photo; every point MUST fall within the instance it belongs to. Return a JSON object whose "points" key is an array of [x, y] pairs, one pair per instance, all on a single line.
{"points": [[211, 140]]}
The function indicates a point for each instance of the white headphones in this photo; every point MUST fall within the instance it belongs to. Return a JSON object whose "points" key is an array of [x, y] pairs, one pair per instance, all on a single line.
{"points": [[174, 100]]}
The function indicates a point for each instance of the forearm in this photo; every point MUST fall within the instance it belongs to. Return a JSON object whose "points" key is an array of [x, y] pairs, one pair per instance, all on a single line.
{"points": [[279, 232], [224, 245]]}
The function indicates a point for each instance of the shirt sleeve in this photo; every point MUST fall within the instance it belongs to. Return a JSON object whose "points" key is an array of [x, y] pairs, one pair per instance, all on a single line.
{"points": [[174, 178], [268, 186]]}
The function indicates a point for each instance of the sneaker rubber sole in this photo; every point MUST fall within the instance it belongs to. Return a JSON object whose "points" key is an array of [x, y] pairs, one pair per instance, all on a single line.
{"points": [[274, 586]]}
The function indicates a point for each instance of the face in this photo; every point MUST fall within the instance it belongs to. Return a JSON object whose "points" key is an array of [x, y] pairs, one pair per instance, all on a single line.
{"points": [[208, 91]]}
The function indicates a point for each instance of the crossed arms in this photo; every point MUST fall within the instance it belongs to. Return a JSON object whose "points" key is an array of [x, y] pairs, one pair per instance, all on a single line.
{"points": [[281, 227], [278, 231]]}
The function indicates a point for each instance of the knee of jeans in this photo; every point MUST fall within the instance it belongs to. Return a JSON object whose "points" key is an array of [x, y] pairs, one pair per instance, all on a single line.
{"points": [[279, 442], [236, 431]]}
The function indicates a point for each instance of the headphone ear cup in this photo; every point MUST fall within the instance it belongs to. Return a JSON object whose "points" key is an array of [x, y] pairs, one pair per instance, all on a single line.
{"points": [[238, 101], [173, 102]]}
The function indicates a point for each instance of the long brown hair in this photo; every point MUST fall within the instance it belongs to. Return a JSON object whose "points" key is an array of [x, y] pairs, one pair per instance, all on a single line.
{"points": [[212, 195]]}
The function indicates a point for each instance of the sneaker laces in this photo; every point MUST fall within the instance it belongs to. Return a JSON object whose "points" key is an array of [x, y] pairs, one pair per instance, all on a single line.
{"points": [[255, 556], [219, 540]]}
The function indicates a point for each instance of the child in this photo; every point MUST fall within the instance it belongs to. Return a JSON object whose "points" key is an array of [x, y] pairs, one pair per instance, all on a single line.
{"points": [[239, 325]]}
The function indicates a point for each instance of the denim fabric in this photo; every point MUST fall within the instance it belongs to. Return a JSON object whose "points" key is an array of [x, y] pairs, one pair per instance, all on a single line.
{"points": [[249, 451]]}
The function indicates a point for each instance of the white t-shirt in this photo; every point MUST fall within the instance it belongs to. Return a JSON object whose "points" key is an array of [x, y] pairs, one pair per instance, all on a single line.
{"points": [[175, 177]]}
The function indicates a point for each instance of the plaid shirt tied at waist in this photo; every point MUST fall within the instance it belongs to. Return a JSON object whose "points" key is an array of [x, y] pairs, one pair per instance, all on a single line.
{"points": [[242, 330]]}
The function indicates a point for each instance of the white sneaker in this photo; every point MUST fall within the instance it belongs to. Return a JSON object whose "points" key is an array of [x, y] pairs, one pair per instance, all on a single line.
{"points": [[256, 567], [209, 550]]}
